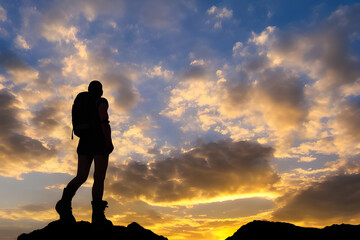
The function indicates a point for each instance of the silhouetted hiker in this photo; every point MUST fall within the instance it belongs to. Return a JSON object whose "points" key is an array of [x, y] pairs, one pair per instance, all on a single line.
{"points": [[90, 123]]}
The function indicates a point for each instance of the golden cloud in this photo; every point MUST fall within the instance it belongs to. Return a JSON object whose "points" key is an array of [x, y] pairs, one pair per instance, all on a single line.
{"points": [[208, 171], [16, 147], [331, 201]]}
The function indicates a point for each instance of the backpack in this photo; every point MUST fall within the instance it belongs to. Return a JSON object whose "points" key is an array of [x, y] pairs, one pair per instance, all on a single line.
{"points": [[83, 111]]}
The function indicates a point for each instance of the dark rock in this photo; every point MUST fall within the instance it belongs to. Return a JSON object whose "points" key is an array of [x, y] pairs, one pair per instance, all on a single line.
{"points": [[85, 230], [279, 231]]}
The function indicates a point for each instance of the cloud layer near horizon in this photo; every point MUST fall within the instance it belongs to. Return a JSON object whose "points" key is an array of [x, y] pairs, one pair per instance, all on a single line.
{"points": [[331, 201], [207, 171]]}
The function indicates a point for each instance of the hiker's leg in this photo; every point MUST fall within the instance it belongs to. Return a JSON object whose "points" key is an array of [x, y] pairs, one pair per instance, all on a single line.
{"points": [[63, 206], [98, 205], [101, 164], [84, 164]]}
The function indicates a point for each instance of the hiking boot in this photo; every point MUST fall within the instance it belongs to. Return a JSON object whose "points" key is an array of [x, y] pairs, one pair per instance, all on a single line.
{"points": [[63, 208], [98, 214]]}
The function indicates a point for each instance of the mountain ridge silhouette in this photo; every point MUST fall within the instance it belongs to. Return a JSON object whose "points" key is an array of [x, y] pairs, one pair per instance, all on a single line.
{"points": [[257, 229], [85, 230]]}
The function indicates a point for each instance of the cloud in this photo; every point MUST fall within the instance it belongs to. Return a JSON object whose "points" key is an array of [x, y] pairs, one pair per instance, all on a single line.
{"points": [[158, 71], [3, 15], [16, 148], [345, 126], [281, 98], [211, 10], [85, 59], [35, 212], [10, 229], [159, 14], [196, 72], [278, 95], [121, 87], [288, 85], [197, 62], [236, 48], [20, 42], [61, 12], [345, 17], [220, 14], [78, 63], [193, 102], [348, 121], [46, 119], [230, 209], [207, 171], [323, 51], [261, 92], [90, 59], [45, 90], [133, 141], [263, 37], [9, 111], [18, 69], [334, 200], [296, 78], [141, 212]]}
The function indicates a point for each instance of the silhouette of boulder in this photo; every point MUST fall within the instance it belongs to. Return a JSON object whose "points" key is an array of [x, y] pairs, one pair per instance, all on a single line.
{"points": [[85, 230], [279, 231]]}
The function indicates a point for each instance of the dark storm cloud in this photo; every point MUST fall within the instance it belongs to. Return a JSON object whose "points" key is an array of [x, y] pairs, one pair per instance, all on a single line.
{"points": [[337, 198], [207, 171], [15, 147]]}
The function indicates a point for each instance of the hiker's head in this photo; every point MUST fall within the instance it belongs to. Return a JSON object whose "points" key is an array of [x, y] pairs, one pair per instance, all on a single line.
{"points": [[95, 88]]}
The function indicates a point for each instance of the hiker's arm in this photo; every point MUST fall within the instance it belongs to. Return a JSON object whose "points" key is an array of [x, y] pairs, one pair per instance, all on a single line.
{"points": [[105, 126]]}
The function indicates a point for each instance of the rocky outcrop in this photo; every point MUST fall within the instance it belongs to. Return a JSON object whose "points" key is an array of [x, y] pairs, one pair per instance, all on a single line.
{"points": [[85, 230], [281, 231]]}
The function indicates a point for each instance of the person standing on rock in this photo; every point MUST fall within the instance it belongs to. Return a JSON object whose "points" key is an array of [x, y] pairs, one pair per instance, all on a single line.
{"points": [[91, 123]]}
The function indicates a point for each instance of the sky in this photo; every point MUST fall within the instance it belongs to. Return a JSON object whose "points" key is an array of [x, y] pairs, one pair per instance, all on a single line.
{"points": [[222, 112]]}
